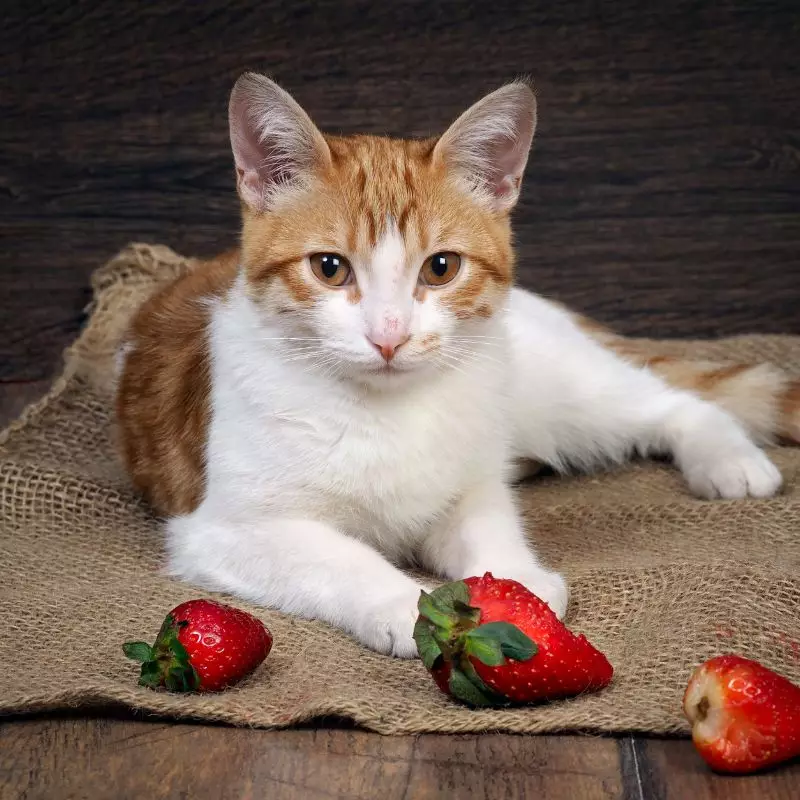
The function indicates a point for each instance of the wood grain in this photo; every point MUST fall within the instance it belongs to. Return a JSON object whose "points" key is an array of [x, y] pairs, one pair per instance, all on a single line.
{"points": [[101, 758], [672, 770], [662, 197]]}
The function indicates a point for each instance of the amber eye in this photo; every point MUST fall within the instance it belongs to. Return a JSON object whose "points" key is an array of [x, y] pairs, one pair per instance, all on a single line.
{"points": [[331, 269], [440, 268]]}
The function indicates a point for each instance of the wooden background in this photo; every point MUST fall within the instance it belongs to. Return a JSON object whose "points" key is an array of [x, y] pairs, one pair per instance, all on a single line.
{"points": [[662, 197]]}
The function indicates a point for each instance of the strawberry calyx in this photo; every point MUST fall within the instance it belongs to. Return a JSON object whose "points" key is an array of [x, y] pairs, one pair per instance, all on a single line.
{"points": [[167, 662], [448, 633]]}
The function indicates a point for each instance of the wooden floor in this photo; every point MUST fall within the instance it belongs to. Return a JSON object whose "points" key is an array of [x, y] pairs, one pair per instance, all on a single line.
{"points": [[662, 197]]}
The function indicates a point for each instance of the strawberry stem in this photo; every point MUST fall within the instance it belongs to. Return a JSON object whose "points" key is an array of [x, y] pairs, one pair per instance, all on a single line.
{"points": [[165, 664], [449, 629]]}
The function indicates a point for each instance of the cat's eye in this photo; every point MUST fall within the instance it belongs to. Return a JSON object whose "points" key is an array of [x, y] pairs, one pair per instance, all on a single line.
{"points": [[440, 268], [332, 269]]}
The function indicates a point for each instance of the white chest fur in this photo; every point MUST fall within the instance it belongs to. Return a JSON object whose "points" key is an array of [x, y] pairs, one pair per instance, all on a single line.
{"points": [[294, 442]]}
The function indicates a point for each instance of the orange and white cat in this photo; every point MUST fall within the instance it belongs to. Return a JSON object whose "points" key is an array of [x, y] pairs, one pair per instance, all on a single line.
{"points": [[353, 389]]}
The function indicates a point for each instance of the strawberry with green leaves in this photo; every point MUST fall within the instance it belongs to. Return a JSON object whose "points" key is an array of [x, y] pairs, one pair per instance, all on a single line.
{"points": [[203, 646], [491, 642]]}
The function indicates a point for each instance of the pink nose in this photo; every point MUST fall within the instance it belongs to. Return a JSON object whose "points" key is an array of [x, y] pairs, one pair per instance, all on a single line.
{"points": [[387, 345]]}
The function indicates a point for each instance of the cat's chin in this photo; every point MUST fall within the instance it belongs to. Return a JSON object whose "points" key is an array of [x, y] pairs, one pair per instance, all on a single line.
{"points": [[390, 376]]}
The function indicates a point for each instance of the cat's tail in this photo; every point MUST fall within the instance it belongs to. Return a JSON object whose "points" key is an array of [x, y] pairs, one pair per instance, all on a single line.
{"points": [[763, 397]]}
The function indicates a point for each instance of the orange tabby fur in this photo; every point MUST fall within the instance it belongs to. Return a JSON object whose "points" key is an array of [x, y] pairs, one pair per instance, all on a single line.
{"points": [[348, 211], [163, 394]]}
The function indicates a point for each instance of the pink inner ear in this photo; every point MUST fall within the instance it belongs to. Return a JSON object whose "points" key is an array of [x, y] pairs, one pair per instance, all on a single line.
{"points": [[273, 140], [507, 187], [262, 161], [489, 143], [511, 154], [244, 131], [251, 186]]}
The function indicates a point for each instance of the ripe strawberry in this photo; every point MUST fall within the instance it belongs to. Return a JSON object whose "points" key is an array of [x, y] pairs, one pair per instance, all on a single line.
{"points": [[490, 641], [203, 646], [744, 716]]}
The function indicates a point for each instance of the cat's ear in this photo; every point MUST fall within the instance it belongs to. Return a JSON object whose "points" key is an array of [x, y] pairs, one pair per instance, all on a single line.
{"points": [[275, 144], [488, 144]]}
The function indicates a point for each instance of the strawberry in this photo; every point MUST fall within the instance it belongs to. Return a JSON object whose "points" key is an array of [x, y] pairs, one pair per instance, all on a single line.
{"points": [[744, 716], [203, 646], [489, 642]]}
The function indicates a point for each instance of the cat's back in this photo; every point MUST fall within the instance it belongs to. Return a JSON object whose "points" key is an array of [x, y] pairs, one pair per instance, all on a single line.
{"points": [[163, 406]]}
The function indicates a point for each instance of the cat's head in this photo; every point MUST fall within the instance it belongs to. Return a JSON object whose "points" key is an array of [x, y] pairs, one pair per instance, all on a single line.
{"points": [[376, 256]]}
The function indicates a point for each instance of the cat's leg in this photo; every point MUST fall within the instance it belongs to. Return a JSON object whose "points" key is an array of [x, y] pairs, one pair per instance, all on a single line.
{"points": [[300, 567], [484, 533], [578, 403]]}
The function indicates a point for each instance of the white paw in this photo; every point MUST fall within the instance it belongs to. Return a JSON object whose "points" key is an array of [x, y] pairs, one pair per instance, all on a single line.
{"points": [[547, 586], [742, 473], [388, 627]]}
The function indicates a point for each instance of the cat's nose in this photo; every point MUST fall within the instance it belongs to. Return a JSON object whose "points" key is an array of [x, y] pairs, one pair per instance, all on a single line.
{"points": [[388, 344]]}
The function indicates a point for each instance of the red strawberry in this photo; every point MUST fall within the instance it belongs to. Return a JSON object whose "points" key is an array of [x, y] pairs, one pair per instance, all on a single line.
{"points": [[744, 716], [203, 646], [490, 641]]}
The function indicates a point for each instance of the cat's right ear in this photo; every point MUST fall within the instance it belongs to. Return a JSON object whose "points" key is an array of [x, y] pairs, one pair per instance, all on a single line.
{"points": [[275, 144]]}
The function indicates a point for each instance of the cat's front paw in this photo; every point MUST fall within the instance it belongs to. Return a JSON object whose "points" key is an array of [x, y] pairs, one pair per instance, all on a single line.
{"points": [[732, 476], [389, 626]]}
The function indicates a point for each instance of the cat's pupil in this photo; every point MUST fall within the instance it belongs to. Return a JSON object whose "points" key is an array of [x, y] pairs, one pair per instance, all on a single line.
{"points": [[439, 266], [330, 266]]}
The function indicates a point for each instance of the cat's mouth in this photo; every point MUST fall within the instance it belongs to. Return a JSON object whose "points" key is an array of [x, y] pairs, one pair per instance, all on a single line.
{"points": [[388, 368], [384, 369]]}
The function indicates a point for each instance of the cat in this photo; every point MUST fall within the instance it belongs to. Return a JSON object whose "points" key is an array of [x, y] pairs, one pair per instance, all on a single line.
{"points": [[358, 385]]}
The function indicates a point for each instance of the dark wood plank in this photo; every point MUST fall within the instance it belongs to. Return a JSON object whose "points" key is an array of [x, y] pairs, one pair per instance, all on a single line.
{"points": [[17, 393], [669, 769], [97, 758], [662, 194]]}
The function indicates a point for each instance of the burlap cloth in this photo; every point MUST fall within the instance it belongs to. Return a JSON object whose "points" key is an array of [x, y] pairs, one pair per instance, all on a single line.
{"points": [[660, 580]]}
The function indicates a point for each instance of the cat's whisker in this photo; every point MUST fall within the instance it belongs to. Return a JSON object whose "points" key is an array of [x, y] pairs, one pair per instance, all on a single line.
{"points": [[307, 357], [477, 355], [474, 338], [482, 360], [474, 361], [299, 347], [453, 364], [303, 357], [331, 366], [303, 348], [475, 342]]}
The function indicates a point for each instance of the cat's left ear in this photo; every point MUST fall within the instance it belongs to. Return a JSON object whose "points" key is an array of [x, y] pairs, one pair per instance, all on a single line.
{"points": [[488, 144]]}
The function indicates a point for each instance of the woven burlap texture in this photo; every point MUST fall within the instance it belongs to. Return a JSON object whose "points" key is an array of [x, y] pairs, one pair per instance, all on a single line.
{"points": [[660, 580]]}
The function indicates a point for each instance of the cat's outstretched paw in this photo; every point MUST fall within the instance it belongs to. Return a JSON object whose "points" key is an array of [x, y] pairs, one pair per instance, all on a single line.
{"points": [[389, 626], [732, 476]]}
